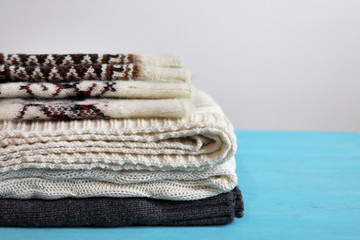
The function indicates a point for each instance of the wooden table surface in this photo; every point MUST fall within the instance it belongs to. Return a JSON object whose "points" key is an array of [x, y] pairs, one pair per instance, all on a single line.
{"points": [[296, 185]]}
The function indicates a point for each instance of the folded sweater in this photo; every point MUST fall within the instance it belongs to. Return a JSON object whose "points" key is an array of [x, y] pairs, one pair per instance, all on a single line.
{"points": [[197, 149], [116, 212], [80, 58], [48, 183], [77, 72], [93, 88], [20, 109]]}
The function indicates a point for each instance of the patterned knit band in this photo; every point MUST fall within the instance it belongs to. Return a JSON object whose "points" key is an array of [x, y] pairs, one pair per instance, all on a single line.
{"points": [[93, 88], [78, 72], [65, 59], [18, 109]]}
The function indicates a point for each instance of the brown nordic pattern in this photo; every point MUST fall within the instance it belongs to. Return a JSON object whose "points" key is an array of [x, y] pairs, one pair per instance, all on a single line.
{"points": [[67, 73], [64, 111], [66, 59], [77, 90]]}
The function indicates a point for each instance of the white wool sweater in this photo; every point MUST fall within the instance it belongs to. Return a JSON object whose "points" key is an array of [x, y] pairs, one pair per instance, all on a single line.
{"points": [[96, 182], [93, 88], [20, 109], [178, 159]]}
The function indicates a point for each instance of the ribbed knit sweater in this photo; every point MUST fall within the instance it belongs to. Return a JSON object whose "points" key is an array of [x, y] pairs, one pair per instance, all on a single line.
{"points": [[116, 212]]}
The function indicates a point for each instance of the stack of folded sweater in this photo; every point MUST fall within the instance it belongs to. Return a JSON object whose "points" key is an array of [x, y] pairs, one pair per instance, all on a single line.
{"points": [[111, 140]]}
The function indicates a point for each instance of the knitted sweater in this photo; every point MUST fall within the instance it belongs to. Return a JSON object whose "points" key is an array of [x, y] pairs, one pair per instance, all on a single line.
{"points": [[94, 182], [93, 88], [80, 58], [187, 158], [19, 109], [77, 72], [115, 212]]}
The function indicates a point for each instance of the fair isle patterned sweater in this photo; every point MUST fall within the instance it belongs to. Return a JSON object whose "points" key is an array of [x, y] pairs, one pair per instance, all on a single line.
{"points": [[96, 89], [77, 72], [169, 60], [92, 86], [19, 109]]}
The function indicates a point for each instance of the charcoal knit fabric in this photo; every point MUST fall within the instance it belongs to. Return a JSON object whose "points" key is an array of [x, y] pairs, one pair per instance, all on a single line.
{"points": [[116, 212], [77, 72], [168, 60]]}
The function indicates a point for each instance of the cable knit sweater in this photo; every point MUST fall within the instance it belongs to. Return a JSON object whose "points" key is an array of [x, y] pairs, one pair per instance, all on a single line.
{"points": [[178, 159]]}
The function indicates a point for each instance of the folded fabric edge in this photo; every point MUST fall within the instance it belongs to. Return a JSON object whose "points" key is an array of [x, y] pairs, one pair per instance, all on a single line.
{"points": [[165, 60], [239, 203], [115, 212], [165, 74]]}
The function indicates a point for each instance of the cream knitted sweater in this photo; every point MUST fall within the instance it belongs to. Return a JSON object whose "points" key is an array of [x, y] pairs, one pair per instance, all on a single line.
{"points": [[93, 88], [19, 109], [178, 159]]}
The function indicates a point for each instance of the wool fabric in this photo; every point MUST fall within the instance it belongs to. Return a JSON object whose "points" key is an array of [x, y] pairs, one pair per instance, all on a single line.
{"points": [[170, 60], [77, 72], [50, 183], [97, 89], [201, 143], [116, 212], [19, 109]]}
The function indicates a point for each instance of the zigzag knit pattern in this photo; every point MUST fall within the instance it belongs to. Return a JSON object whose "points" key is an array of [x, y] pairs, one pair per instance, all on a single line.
{"points": [[91, 89], [78, 72], [70, 59]]}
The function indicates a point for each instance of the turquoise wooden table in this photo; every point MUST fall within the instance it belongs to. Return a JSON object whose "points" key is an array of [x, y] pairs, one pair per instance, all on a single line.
{"points": [[296, 185]]}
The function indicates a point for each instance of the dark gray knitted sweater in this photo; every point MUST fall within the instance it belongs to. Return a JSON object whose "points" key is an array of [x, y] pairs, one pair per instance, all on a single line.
{"points": [[114, 212]]}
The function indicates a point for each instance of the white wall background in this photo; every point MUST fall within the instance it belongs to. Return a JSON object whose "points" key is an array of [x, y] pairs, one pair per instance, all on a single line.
{"points": [[271, 64]]}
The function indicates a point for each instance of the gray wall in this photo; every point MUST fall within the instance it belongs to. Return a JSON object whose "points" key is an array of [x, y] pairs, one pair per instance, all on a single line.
{"points": [[281, 64]]}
